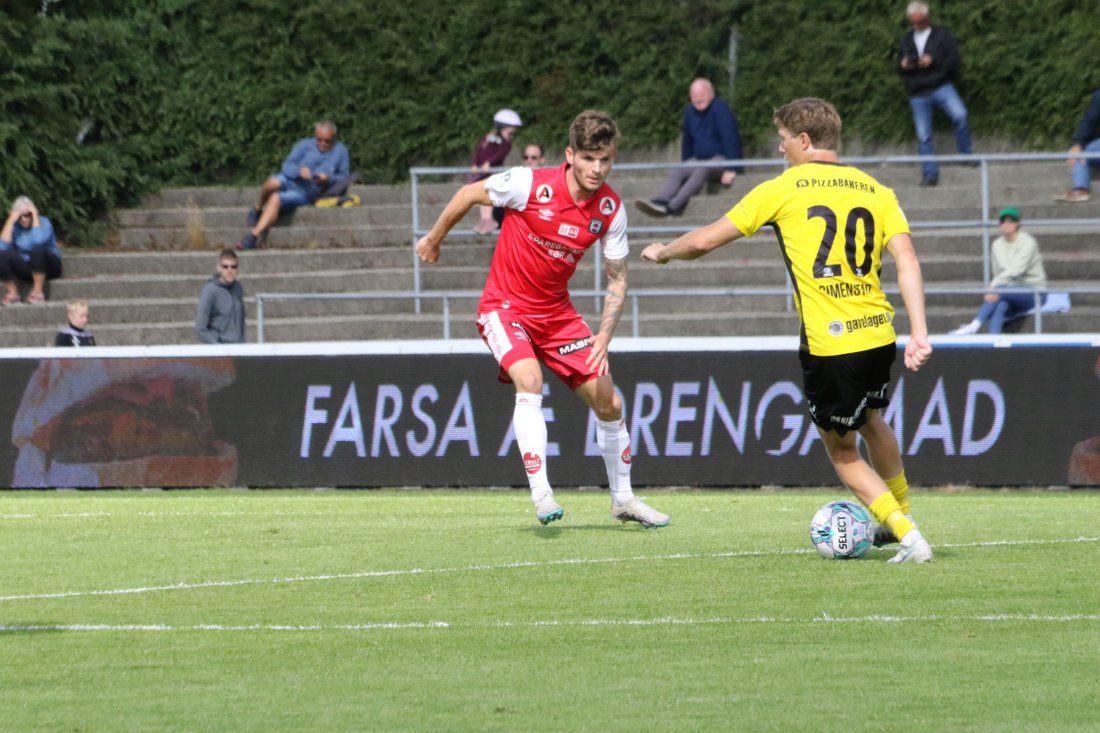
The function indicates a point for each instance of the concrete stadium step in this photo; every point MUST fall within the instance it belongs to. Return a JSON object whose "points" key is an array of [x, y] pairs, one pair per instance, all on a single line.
{"points": [[172, 286], [81, 264]]}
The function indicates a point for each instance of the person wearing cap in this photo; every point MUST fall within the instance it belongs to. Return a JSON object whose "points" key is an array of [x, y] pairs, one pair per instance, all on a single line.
{"points": [[709, 132], [1016, 263], [490, 152]]}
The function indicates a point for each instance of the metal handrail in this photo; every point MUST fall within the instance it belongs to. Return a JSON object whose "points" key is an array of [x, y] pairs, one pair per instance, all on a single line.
{"points": [[635, 295], [983, 221]]}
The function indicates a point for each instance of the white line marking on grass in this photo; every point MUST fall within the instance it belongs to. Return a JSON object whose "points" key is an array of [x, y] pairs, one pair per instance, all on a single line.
{"points": [[603, 622], [481, 568], [155, 514]]}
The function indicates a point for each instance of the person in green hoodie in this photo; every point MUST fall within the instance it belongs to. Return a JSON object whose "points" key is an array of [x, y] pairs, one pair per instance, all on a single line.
{"points": [[1016, 263]]}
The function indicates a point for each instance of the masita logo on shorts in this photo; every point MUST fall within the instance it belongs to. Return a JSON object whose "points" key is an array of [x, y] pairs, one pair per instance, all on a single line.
{"points": [[575, 346], [532, 462]]}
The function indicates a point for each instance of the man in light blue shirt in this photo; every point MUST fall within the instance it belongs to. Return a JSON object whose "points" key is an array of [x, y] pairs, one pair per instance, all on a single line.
{"points": [[313, 167], [28, 252]]}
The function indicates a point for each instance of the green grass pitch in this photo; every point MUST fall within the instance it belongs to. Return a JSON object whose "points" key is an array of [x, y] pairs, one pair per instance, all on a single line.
{"points": [[455, 611]]}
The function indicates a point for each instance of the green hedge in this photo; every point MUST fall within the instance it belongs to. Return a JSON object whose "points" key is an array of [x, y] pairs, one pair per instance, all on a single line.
{"points": [[197, 92]]}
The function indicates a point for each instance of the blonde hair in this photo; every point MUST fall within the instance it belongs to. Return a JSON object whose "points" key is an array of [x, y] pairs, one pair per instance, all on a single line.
{"points": [[815, 117], [77, 304]]}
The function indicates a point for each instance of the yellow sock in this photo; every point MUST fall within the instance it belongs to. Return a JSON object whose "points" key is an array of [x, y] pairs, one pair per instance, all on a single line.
{"points": [[899, 487], [887, 511]]}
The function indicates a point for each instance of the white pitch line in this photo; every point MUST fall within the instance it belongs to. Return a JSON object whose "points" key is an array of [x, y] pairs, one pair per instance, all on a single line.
{"points": [[604, 622], [481, 568]]}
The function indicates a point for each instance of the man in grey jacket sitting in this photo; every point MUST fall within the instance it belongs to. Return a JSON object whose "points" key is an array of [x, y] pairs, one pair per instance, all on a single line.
{"points": [[220, 318]]}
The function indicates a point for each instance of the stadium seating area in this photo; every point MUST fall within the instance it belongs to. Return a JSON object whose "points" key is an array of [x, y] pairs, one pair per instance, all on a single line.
{"points": [[143, 288]]}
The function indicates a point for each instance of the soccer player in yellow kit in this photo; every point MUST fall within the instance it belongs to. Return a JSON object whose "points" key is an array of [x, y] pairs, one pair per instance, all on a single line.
{"points": [[833, 222]]}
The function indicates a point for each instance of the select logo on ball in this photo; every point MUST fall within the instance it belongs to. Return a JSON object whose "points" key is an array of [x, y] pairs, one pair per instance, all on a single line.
{"points": [[532, 463]]}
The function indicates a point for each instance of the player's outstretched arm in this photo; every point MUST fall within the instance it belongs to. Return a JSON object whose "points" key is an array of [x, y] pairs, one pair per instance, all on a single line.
{"points": [[911, 284], [613, 304], [466, 198], [694, 244]]}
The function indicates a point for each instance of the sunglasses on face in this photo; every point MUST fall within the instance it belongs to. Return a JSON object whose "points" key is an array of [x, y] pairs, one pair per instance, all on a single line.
{"points": [[229, 267]]}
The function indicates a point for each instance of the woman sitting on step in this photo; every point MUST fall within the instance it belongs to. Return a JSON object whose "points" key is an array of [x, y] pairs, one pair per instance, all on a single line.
{"points": [[28, 252]]}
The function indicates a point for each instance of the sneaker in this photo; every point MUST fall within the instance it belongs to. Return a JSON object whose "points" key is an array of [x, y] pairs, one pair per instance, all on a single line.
{"points": [[1076, 196], [918, 551], [883, 536], [636, 510], [35, 298], [248, 241], [653, 208], [253, 217], [547, 510], [967, 329], [10, 299]]}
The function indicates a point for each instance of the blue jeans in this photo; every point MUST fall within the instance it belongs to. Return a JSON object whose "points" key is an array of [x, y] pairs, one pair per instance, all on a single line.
{"points": [[947, 99], [1008, 307], [1080, 170]]}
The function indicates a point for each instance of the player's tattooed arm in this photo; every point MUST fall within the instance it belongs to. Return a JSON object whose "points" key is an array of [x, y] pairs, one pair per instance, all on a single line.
{"points": [[613, 303], [615, 299]]}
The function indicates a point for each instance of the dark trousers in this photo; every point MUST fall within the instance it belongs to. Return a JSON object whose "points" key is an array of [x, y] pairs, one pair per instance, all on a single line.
{"points": [[13, 266]]}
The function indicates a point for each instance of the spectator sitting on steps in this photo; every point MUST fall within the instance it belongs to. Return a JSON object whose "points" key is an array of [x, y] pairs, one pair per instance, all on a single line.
{"points": [[28, 252], [1016, 264], [710, 132], [316, 167], [1086, 140]]}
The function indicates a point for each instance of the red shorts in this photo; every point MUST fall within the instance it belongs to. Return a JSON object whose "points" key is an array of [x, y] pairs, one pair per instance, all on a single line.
{"points": [[561, 342]]}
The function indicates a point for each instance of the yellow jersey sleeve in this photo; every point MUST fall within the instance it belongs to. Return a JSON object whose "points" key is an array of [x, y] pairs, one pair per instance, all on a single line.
{"points": [[832, 222]]}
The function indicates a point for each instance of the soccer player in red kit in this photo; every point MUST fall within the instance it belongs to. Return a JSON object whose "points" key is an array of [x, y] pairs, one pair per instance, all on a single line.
{"points": [[552, 216]]}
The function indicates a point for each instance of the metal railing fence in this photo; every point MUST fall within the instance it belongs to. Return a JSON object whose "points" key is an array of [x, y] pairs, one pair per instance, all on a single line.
{"points": [[635, 296], [980, 221]]}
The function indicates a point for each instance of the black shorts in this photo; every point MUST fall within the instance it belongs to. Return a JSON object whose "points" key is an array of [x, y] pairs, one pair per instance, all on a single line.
{"points": [[840, 389]]}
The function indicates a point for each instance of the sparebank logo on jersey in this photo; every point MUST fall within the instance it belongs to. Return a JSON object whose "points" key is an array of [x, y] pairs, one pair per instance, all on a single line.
{"points": [[568, 230], [544, 193], [607, 206]]}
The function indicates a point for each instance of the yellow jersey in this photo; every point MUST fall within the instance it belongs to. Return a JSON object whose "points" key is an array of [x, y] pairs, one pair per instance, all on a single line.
{"points": [[833, 222]]}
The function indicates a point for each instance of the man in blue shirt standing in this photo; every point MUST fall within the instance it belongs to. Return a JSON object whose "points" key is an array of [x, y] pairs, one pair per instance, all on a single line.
{"points": [[313, 167], [28, 251], [710, 132]]}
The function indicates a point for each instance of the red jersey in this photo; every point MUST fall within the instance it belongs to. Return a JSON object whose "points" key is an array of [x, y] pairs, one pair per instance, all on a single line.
{"points": [[544, 235]]}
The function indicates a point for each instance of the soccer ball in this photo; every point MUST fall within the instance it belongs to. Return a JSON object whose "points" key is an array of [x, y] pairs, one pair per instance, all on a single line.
{"points": [[842, 530]]}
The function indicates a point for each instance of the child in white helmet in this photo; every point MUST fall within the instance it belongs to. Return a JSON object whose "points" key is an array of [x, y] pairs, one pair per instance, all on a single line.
{"points": [[491, 152]]}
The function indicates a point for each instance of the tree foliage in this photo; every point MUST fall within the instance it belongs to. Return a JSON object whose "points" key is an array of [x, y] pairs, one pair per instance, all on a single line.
{"points": [[103, 101]]}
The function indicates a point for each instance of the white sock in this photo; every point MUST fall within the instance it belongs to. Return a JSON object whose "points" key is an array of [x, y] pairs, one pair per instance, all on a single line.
{"points": [[614, 441], [530, 428]]}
